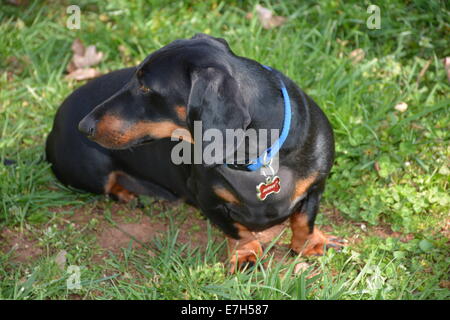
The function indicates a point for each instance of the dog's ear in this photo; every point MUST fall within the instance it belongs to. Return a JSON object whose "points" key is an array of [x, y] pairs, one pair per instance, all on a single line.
{"points": [[207, 36], [215, 99]]}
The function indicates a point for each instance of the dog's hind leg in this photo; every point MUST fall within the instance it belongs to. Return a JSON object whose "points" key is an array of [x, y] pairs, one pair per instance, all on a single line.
{"points": [[124, 188], [114, 188]]}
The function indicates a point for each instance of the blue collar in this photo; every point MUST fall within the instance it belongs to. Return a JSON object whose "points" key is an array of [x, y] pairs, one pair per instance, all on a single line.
{"points": [[266, 157]]}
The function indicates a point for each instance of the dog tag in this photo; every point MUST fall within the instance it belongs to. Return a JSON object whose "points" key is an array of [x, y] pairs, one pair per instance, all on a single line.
{"points": [[272, 185]]}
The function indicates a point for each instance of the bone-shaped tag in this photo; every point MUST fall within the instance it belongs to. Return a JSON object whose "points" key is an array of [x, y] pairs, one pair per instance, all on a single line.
{"points": [[272, 185]]}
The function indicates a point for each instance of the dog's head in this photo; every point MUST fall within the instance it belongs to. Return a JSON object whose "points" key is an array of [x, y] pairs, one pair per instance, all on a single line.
{"points": [[186, 81]]}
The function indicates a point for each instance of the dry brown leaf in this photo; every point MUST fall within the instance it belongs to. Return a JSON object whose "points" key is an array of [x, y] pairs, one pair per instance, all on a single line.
{"points": [[83, 74], [13, 63], [61, 259], [78, 47], [71, 67], [376, 166], [447, 67], [423, 71], [83, 58], [445, 284], [301, 267], [267, 19], [15, 66], [17, 3], [357, 55], [90, 58]]}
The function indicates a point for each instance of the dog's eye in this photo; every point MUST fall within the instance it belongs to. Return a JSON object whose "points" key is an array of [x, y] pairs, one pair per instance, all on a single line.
{"points": [[144, 89]]}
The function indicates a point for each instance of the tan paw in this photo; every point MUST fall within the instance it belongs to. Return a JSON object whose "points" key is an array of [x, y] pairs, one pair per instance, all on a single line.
{"points": [[316, 244], [245, 256]]}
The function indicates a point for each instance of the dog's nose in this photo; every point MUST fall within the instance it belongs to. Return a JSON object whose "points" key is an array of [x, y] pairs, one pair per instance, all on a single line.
{"points": [[87, 126]]}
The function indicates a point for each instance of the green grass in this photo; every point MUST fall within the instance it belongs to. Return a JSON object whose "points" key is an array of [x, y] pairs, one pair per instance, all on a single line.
{"points": [[388, 188]]}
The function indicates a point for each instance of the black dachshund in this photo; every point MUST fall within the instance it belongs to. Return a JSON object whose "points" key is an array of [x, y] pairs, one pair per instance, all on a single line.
{"points": [[114, 136]]}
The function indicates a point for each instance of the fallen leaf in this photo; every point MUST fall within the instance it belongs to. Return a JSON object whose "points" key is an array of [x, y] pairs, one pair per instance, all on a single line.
{"points": [[423, 71], [78, 50], [78, 47], [402, 107], [83, 58], [447, 67], [301, 267], [61, 259], [17, 3], [90, 58], [363, 227], [267, 19], [376, 166], [71, 67], [444, 284], [357, 55], [83, 74], [15, 66]]}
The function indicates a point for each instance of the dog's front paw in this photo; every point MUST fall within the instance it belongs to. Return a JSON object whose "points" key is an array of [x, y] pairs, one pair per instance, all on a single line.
{"points": [[245, 256], [316, 244]]}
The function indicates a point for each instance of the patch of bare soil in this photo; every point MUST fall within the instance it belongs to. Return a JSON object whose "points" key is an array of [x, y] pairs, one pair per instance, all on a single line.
{"points": [[445, 229], [130, 223], [24, 248], [119, 236], [191, 229], [382, 230]]}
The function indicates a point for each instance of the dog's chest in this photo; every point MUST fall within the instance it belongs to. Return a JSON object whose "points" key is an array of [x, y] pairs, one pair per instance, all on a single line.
{"points": [[259, 201]]}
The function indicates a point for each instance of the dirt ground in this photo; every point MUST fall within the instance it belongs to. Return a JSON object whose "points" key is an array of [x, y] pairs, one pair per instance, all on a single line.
{"points": [[128, 222]]}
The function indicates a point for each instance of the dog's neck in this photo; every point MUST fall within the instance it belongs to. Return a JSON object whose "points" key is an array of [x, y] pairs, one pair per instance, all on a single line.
{"points": [[269, 114]]}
